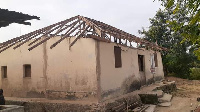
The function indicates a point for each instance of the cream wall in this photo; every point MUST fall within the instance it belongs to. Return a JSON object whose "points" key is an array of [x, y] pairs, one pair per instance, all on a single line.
{"points": [[117, 81], [15, 84], [159, 69], [58, 69], [89, 66], [74, 69]]}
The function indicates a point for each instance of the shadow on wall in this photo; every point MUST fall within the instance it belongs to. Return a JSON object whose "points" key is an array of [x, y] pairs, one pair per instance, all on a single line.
{"points": [[130, 84], [158, 78], [150, 81]]}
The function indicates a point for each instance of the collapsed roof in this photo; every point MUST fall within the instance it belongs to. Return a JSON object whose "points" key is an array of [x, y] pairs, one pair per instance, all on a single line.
{"points": [[7, 17], [78, 27]]}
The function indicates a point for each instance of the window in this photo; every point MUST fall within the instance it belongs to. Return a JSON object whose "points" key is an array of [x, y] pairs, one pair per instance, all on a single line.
{"points": [[27, 70], [156, 59], [152, 69], [141, 62], [152, 61], [4, 71], [118, 60]]}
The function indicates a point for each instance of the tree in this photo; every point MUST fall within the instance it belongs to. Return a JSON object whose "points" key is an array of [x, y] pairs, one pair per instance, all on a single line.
{"points": [[191, 28], [7, 17], [180, 58]]}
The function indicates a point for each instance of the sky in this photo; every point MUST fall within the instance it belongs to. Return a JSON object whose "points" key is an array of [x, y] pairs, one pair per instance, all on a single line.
{"points": [[127, 15]]}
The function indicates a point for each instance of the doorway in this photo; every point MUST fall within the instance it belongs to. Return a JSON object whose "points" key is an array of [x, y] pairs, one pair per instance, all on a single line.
{"points": [[141, 65]]}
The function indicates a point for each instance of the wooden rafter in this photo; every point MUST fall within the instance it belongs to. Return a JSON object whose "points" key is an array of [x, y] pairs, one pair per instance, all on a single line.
{"points": [[78, 27], [67, 35], [79, 36]]}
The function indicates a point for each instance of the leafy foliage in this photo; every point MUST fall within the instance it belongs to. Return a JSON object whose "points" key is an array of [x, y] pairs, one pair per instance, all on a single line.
{"points": [[191, 28], [180, 58], [195, 73]]}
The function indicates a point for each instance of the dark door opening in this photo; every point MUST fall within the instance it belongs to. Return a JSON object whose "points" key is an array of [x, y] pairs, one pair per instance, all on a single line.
{"points": [[141, 62]]}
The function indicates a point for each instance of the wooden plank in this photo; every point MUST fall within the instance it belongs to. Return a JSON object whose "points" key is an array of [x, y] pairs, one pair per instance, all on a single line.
{"points": [[98, 38], [26, 41], [90, 23], [31, 37], [99, 28], [32, 33], [79, 36], [25, 37], [12, 44], [48, 39], [45, 34], [67, 35], [60, 26], [7, 47]]}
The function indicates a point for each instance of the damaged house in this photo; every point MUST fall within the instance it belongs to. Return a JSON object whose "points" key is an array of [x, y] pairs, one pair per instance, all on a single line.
{"points": [[78, 58]]}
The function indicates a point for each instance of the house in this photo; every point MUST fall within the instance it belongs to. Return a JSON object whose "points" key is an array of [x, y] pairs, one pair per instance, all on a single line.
{"points": [[78, 58]]}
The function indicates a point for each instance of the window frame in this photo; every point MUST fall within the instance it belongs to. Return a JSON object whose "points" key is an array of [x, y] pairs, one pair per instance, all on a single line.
{"points": [[118, 57], [3, 73], [25, 72]]}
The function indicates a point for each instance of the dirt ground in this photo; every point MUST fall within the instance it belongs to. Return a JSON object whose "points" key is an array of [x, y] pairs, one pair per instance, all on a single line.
{"points": [[185, 98]]}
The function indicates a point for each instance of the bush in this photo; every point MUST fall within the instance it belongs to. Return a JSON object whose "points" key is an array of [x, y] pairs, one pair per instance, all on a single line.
{"points": [[195, 73]]}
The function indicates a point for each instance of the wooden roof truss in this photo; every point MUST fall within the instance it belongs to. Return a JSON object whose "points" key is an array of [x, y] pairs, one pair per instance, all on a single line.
{"points": [[78, 27]]}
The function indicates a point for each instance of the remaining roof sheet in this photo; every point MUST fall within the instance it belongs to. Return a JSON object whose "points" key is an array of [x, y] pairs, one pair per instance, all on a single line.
{"points": [[78, 27], [8, 17]]}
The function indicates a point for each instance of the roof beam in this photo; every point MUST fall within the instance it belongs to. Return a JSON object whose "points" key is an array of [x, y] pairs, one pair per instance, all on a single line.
{"points": [[78, 37], [82, 25], [34, 46], [59, 26], [67, 35], [98, 38]]}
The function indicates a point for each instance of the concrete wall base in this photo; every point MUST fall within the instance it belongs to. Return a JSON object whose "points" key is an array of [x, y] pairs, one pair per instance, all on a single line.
{"points": [[49, 107]]}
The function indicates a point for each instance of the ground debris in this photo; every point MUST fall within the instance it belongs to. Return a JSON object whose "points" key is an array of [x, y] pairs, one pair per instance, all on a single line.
{"points": [[186, 98]]}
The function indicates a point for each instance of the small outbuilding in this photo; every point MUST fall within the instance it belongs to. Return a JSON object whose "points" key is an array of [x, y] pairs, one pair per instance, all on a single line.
{"points": [[78, 58]]}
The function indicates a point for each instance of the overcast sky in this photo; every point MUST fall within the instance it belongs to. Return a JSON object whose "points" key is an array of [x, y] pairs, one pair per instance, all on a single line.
{"points": [[128, 15]]}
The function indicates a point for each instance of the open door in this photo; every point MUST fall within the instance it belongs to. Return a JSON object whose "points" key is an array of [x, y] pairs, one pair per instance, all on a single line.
{"points": [[141, 64]]}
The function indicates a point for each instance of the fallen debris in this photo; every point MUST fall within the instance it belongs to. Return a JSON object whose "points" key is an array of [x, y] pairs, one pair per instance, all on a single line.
{"points": [[166, 98], [165, 104]]}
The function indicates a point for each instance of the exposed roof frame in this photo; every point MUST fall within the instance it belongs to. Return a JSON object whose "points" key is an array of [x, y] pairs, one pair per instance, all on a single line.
{"points": [[77, 26]]}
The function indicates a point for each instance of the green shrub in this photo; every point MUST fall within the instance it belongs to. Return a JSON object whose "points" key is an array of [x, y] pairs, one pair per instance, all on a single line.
{"points": [[195, 73]]}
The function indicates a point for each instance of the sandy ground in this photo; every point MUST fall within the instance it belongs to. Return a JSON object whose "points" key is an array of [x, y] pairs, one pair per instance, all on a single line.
{"points": [[185, 98]]}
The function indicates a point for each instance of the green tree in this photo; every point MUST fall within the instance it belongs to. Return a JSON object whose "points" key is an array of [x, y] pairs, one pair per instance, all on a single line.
{"points": [[180, 58], [190, 29]]}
